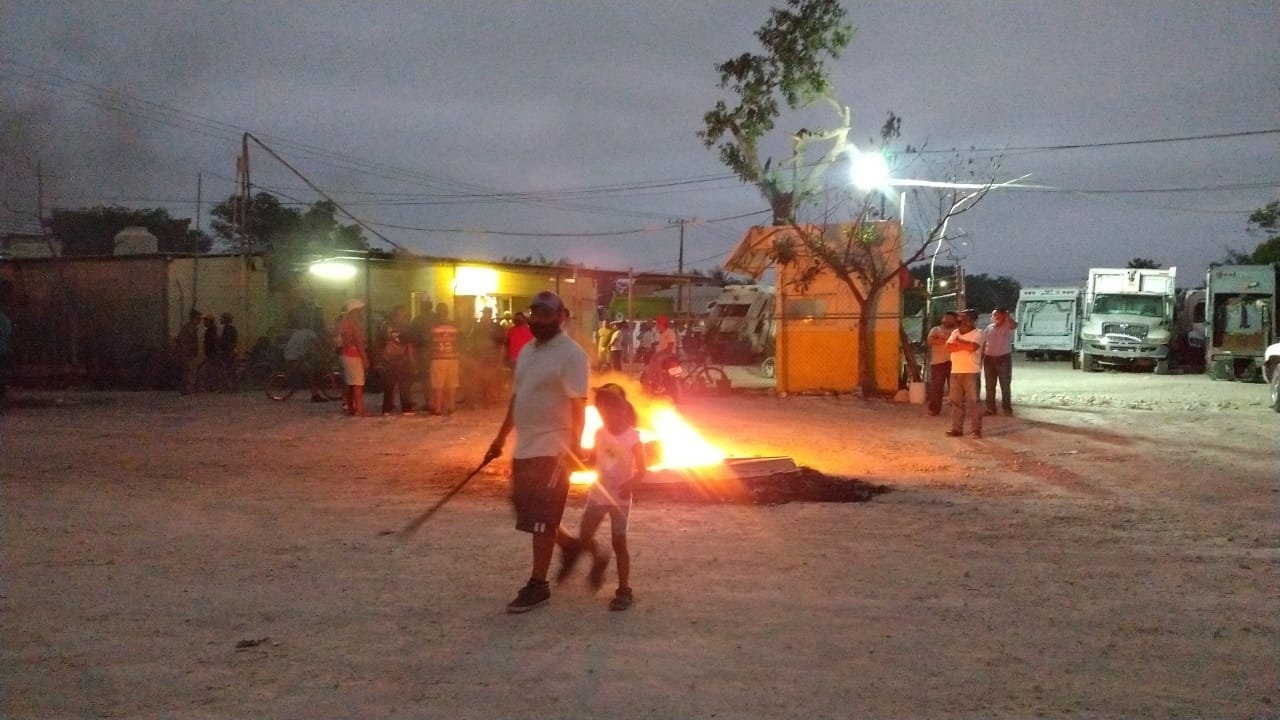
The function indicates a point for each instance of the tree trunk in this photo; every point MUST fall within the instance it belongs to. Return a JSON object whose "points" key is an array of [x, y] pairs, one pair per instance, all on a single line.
{"points": [[867, 312]]}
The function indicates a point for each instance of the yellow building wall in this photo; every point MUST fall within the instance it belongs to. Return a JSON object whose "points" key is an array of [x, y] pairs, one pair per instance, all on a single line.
{"points": [[239, 285], [222, 283], [817, 338], [456, 284]]}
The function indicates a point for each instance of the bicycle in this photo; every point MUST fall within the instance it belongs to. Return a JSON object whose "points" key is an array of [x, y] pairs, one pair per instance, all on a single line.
{"points": [[213, 375], [703, 378], [284, 383], [694, 377]]}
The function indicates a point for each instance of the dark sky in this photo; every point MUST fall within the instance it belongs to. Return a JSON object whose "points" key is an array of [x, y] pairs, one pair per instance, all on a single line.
{"points": [[568, 129]]}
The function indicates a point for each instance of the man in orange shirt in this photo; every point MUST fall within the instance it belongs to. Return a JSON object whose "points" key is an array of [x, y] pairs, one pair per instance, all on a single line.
{"points": [[444, 362]]}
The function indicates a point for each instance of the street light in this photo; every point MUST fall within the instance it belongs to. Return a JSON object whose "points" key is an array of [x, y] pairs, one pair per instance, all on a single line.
{"points": [[870, 171], [333, 270]]}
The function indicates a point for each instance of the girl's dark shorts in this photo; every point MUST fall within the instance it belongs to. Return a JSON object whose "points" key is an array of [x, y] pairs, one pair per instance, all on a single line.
{"points": [[539, 489]]}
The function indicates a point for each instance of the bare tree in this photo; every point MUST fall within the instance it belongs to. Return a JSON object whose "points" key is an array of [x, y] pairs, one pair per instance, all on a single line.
{"points": [[791, 71]]}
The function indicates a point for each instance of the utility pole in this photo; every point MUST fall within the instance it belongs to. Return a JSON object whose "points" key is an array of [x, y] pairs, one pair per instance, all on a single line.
{"points": [[199, 182], [680, 262], [39, 197], [680, 258], [242, 174]]}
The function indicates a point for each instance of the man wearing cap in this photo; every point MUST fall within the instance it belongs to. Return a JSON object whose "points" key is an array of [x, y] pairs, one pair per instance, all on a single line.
{"points": [[997, 359], [547, 411], [964, 344], [355, 357]]}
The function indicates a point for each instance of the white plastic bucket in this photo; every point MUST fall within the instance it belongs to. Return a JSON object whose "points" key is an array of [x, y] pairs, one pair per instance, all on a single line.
{"points": [[915, 393]]}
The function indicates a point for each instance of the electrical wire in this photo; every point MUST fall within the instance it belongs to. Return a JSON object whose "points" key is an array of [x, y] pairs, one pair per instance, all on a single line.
{"points": [[453, 192], [72, 88]]}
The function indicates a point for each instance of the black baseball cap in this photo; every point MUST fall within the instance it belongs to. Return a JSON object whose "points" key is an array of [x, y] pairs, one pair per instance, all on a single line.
{"points": [[547, 300]]}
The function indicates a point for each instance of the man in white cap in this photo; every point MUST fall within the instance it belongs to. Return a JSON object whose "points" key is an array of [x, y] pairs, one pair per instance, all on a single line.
{"points": [[355, 356], [547, 411]]}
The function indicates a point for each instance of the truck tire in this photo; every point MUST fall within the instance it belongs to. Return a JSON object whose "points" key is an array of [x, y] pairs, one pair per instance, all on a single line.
{"points": [[1162, 367], [768, 368], [1075, 361], [1087, 363]]}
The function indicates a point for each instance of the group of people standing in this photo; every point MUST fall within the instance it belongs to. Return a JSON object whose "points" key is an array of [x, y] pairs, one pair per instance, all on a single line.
{"points": [[623, 342], [431, 348], [220, 345], [961, 356]]}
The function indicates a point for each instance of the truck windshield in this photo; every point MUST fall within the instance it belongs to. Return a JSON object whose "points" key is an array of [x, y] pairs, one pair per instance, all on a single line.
{"points": [[1146, 305], [730, 310]]}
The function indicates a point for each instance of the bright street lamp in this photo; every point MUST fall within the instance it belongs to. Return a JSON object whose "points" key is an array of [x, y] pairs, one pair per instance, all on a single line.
{"points": [[333, 270], [870, 171]]}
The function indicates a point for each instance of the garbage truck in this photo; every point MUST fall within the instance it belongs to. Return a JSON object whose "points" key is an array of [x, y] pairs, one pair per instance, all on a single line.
{"points": [[1128, 318], [1239, 320], [1048, 322], [740, 327]]}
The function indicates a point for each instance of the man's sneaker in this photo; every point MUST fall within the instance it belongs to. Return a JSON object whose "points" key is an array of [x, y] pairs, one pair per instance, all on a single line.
{"points": [[532, 595], [1008, 411], [569, 555], [954, 433], [599, 564], [976, 434], [622, 599]]}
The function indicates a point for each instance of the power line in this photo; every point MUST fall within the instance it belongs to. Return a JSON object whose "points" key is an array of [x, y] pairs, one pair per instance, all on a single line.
{"points": [[71, 88], [511, 233], [1119, 143]]}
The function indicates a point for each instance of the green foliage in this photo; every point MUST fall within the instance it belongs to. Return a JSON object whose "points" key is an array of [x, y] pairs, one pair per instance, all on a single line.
{"points": [[981, 292], [1265, 223], [1265, 220], [797, 41], [1267, 252], [288, 235], [985, 293], [92, 231], [284, 230], [1140, 263]]}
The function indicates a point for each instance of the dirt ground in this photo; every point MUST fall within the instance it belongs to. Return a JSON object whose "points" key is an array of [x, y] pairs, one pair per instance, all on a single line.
{"points": [[1110, 551]]}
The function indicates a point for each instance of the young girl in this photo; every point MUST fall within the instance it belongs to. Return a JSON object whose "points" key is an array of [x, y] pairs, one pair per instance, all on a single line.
{"points": [[619, 460]]}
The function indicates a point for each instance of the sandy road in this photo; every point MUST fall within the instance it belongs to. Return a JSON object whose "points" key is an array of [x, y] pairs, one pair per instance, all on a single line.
{"points": [[1111, 551]]}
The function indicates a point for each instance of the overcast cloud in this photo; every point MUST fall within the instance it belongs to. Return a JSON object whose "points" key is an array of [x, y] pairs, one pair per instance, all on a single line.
{"points": [[400, 108]]}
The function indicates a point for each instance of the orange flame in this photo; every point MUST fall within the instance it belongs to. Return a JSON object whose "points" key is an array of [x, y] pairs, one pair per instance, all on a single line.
{"points": [[680, 445]]}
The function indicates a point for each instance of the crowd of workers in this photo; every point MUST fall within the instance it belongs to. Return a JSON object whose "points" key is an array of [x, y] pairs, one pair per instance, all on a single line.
{"points": [[621, 343], [961, 356]]}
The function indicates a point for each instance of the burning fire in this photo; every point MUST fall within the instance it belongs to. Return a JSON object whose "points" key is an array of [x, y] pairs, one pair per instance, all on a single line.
{"points": [[679, 444]]}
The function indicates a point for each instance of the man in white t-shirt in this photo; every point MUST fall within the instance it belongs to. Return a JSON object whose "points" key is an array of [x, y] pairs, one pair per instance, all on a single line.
{"points": [[964, 344], [547, 411], [997, 359], [303, 355]]}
